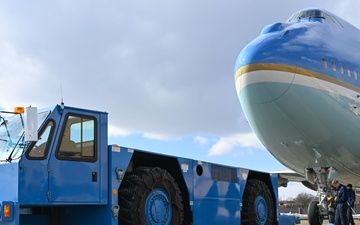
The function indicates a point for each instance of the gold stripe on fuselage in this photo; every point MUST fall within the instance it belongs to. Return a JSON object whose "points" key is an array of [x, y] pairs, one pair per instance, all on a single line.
{"points": [[293, 69]]}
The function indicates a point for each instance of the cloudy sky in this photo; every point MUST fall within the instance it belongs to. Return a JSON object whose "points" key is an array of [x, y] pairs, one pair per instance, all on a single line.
{"points": [[162, 69]]}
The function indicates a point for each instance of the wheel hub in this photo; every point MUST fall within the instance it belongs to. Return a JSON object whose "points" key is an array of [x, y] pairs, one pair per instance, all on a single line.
{"points": [[261, 210], [157, 208]]}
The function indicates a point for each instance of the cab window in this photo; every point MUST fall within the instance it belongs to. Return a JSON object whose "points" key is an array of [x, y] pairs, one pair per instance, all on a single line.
{"points": [[40, 148], [78, 139]]}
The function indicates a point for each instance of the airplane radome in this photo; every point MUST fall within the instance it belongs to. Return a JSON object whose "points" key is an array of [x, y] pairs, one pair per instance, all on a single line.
{"points": [[299, 85]]}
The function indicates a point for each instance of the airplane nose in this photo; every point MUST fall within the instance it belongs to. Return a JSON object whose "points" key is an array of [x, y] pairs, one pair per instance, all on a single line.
{"points": [[261, 76]]}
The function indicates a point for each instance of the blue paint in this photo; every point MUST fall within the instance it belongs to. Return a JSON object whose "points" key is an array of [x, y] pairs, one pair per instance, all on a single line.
{"points": [[9, 192]]}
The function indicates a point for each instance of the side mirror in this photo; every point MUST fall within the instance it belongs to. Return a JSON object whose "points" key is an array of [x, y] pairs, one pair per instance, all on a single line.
{"points": [[31, 124]]}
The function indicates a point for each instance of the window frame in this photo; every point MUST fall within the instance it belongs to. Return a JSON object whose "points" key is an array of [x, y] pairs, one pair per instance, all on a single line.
{"points": [[60, 138], [48, 142], [342, 71], [355, 74], [325, 62], [348, 70], [333, 65]]}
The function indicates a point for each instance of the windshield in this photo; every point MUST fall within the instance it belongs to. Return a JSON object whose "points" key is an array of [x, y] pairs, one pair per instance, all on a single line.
{"points": [[12, 140], [313, 14]]}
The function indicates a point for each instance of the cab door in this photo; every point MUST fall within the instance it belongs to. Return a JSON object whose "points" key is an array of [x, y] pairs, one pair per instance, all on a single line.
{"points": [[74, 167]]}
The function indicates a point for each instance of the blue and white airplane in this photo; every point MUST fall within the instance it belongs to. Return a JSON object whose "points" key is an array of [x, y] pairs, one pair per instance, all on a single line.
{"points": [[299, 87]]}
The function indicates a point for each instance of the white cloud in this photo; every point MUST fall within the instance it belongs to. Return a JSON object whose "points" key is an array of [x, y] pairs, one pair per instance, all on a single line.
{"points": [[157, 136], [201, 140], [117, 131], [228, 145], [21, 76]]}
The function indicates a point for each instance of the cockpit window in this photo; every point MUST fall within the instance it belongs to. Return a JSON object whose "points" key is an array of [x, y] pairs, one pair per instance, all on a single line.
{"points": [[315, 13], [307, 14]]}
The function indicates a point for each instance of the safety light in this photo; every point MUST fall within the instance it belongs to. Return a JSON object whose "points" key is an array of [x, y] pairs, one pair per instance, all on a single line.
{"points": [[19, 110], [7, 211]]}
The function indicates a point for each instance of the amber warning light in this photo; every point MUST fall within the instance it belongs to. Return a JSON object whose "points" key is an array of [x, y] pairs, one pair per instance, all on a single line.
{"points": [[19, 110], [7, 211]]}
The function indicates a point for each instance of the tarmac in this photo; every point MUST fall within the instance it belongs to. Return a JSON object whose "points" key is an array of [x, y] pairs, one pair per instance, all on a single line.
{"points": [[305, 222]]}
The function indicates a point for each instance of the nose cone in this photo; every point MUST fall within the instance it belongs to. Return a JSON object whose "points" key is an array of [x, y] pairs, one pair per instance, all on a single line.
{"points": [[262, 73]]}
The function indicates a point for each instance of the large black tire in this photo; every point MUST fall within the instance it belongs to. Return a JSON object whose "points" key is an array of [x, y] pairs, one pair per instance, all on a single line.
{"points": [[314, 216], [150, 196], [258, 204]]}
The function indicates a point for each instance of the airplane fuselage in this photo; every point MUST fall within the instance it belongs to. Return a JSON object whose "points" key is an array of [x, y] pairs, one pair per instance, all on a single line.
{"points": [[299, 87]]}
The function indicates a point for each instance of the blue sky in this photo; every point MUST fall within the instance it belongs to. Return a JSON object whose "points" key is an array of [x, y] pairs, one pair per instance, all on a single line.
{"points": [[204, 148], [162, 69]]}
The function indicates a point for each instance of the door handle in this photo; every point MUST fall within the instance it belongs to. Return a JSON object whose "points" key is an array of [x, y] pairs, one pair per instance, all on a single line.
{"points": [[94, 176]]}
